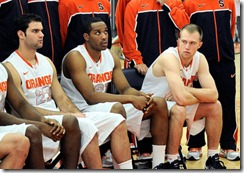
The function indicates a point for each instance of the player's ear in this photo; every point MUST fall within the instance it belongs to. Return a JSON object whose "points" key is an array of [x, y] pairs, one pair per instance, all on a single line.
{"points": [[20, 34], [178, 41], [86, 36], [200, 44]]}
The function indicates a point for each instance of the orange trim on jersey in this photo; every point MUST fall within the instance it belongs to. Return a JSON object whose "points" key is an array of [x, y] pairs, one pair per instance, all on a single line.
{"points": [[100, 58], [181, 61], [28, 63]]}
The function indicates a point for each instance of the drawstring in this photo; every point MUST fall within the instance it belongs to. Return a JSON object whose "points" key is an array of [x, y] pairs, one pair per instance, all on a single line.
{"points": [[159, 33]]}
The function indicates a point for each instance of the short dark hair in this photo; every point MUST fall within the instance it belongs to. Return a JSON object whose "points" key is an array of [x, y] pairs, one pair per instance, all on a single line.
{"points": [[87, 24], [193, 28], [22, 23]]}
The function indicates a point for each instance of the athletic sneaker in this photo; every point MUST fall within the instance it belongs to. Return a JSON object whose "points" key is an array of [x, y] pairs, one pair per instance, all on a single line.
{"points": [[145, 156], [194, 154], [167, 165], [214, 163], [107, 160], [230, 154], [184, 157], [178, 156]]}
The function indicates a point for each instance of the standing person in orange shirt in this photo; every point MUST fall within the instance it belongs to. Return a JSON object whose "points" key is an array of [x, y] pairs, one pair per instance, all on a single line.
{"points": [[151, 27], [73, 13], [119, 13]]}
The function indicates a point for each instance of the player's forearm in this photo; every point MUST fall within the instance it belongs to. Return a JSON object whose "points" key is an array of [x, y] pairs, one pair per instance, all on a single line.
{"points": [[48, 112], [30, 113], [131, 91], [8, 119], [65, 105], [185, 99], [204, 94]]}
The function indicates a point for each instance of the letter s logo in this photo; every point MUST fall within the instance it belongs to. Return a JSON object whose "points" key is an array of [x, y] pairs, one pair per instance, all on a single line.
{"points": [[221, 3], [100, 5]]}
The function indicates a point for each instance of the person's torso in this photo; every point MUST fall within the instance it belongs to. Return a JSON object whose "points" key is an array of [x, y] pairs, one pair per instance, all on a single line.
{"points": [[100, 74], [155, 30], [159, 85], [36, 80]]}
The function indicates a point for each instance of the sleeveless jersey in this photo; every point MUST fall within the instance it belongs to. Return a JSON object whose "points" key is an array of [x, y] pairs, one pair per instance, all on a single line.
{"points": [[3, 86], [99, 73], [35, 80], [159, 85]]}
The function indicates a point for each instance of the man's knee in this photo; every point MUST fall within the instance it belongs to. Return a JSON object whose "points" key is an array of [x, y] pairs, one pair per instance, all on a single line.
{"points": [[217, 105], [23, 145], [119, 108], [34, 134], [161, 102], [70, 123], [161, 106], [214, 109], [18, 143], [178, 113]]}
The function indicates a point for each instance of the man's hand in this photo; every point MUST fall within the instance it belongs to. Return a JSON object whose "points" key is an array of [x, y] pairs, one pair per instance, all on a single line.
{"points": [[147, 96], [141, 68], [161, 2], [169, 97], [144, 102], [140, 102], [53, 129], [151, 104]]}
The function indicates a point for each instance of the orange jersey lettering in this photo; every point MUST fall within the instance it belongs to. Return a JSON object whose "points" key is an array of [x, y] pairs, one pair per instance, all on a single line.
{"points": [[188, 82], [3, 86], [99, 78], [38, 82]]}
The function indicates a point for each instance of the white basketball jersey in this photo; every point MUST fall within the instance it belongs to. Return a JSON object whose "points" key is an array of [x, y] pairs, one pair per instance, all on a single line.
{"points": [[159, 85], [3, 86], [36, 80], [100, 74]]}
